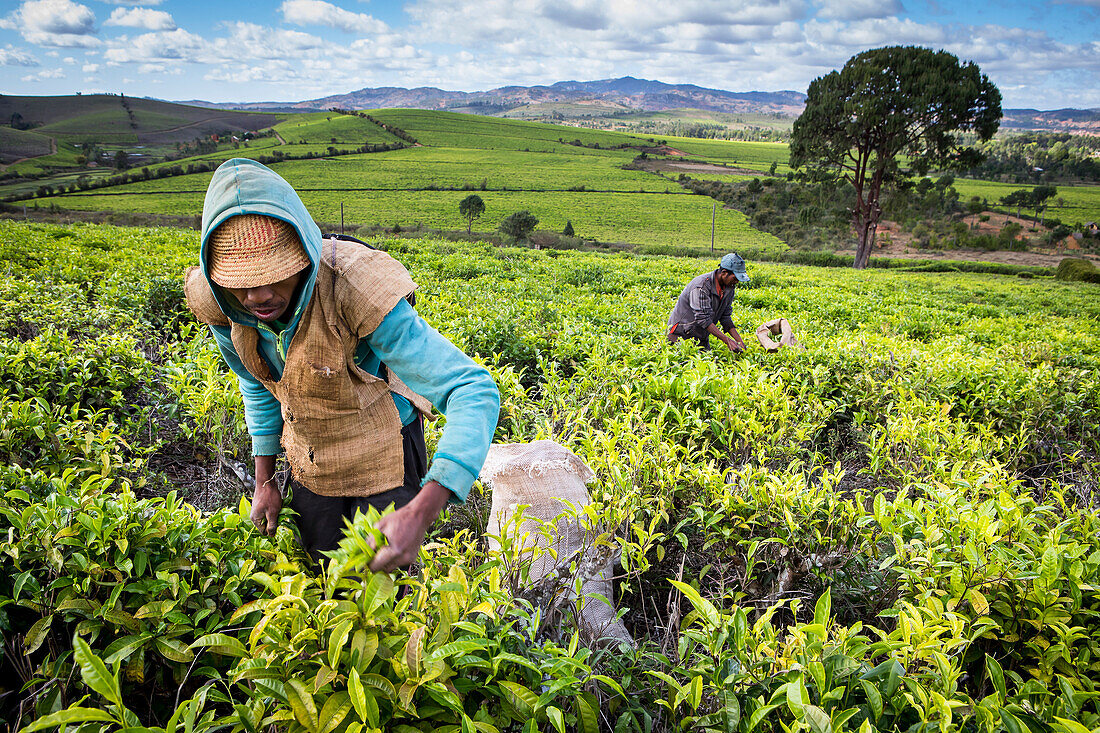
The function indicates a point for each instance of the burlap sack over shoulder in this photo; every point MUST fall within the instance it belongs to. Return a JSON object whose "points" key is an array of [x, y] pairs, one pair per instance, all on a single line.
{"points": [[547, 477]]}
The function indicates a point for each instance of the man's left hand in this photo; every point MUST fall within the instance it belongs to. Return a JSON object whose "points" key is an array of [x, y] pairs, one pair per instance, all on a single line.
{"points": [[738, 343], [406, 527]]}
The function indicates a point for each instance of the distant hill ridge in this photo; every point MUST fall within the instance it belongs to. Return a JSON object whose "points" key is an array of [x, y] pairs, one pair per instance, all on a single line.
{"points": [[625, 93], [643, 94]]}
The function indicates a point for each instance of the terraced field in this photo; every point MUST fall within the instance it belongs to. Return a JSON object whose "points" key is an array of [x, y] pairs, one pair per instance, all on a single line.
{"points": [[636, 218], [561, 174]]}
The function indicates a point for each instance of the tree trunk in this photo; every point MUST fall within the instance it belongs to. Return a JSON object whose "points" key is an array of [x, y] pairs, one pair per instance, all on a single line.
{"points": [[865, 217], [865, 232]]}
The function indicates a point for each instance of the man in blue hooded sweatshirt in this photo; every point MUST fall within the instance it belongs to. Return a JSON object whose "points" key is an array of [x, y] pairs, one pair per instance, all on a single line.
{"points": [[335, 367]]}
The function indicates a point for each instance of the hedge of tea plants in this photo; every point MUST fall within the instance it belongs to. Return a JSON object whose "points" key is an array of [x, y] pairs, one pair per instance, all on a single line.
{"points": [[894, 529]]}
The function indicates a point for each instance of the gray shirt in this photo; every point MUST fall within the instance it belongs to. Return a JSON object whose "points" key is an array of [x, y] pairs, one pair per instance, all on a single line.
{"points": [[700, 305]]}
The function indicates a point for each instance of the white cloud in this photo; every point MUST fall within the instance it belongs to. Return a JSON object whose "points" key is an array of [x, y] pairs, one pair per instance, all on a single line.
{"points": [[858, 9], [160, 69], [250, 41], [56, 23], [11, 56], [44, 75], [68, 60], [318, 12], [177, 45], [90, 68], [133, 2], [150, 20]]}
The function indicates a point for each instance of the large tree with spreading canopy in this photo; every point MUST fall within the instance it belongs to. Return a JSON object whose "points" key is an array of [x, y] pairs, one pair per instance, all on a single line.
{"points": [[888, 107]]}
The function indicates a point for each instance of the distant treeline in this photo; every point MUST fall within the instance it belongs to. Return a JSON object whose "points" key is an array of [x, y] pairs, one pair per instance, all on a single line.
{"points": [[1034, 157], [709, 131], [815, 216]]}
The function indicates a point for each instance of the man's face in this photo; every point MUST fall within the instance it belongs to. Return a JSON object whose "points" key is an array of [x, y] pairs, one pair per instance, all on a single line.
{"points": [[267, 302], [726, 278]]}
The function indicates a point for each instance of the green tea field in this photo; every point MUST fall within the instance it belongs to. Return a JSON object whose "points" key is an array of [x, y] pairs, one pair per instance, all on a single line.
{"points": [[561, 174], [1071, 203], [894, 529]]}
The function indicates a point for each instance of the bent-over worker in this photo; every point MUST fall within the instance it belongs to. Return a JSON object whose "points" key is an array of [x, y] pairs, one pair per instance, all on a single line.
{"points": [[335, 367], [706, 303]]}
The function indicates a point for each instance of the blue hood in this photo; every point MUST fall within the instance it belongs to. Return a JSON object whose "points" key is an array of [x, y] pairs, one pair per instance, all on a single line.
{"points": [[243, 186]]}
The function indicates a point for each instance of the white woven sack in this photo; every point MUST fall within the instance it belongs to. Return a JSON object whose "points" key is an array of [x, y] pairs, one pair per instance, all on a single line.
{"points": [[546, 478]]}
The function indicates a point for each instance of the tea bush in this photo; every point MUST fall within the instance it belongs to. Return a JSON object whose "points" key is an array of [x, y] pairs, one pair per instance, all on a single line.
{"points": [[893, 530]]}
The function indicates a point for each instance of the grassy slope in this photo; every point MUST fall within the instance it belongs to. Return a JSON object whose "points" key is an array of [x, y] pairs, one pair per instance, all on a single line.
{"points": [[449, 129], [15, 144], [103, 119], [322, 127], [1082, 203], [460, 151]]}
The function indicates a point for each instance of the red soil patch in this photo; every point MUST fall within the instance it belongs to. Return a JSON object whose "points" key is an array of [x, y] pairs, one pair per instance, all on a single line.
{"points": [[901, 245]]}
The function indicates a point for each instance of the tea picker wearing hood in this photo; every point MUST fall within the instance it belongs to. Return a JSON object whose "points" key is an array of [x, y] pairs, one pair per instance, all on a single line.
{"points": [[336, 369]]}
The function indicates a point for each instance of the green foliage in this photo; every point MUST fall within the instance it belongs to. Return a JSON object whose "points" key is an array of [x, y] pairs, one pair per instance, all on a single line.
{"points": [[1077, 269], [470, 208], [519, 225], [886, 103], [1033, 156], [893, 530]]}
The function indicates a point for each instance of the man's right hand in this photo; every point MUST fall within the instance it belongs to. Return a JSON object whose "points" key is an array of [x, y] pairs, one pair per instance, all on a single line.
{"points": [[267, 501], [735, 345], [266, 504]]}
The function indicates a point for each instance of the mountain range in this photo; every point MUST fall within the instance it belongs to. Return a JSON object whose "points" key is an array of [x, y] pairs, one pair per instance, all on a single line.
{"points": [[620, 95], [627, 92]]}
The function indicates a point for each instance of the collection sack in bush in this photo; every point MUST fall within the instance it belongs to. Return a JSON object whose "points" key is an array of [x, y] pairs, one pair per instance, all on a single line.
{"points": [[546, 481], [779, 327]]}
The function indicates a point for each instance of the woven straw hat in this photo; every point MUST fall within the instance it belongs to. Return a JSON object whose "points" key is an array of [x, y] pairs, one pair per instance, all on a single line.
{"points": [[250, 250]]}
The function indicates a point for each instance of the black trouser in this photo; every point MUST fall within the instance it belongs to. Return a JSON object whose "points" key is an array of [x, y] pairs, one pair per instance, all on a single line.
{"points": [[321, 518], [683, 331]]}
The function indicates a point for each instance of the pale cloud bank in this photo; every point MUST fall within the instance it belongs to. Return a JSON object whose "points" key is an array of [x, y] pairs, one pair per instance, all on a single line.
{"points": [[54, 23], [304, 49], [318, 12], [11, 56], [150, 20]]}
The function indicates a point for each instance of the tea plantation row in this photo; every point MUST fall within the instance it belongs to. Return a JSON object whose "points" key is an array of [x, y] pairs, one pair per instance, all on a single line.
{"points": [[892, 530]]}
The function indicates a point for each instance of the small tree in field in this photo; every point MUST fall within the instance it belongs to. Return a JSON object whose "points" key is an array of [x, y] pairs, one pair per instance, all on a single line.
{"points": [[519, 225], [471, 208], [1019, 198], [884, 104], [568, 231]]}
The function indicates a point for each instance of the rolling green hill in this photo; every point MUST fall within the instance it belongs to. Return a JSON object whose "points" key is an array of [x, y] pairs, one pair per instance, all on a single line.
{"points": [[561, 174], [145, 121], [114, 121], [16, 144]]}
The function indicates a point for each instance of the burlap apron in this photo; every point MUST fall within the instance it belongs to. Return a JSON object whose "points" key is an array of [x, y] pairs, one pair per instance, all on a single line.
{"points": [[341, 429]]}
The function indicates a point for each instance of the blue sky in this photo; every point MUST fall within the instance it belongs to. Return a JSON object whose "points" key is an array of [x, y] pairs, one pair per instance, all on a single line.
{"points": [[1041, 53]]}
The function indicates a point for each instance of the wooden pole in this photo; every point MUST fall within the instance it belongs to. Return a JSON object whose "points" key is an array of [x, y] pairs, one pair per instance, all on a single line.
{"points": [[341, 217], [713, 214]]}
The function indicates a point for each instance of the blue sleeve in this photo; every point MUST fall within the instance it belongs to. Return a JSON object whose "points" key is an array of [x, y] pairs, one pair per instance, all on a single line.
{"points": [[464, 392], [262, 414]]}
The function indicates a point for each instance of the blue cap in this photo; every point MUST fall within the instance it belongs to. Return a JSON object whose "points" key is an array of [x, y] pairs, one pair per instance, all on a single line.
{"points": [[736, 265]]}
